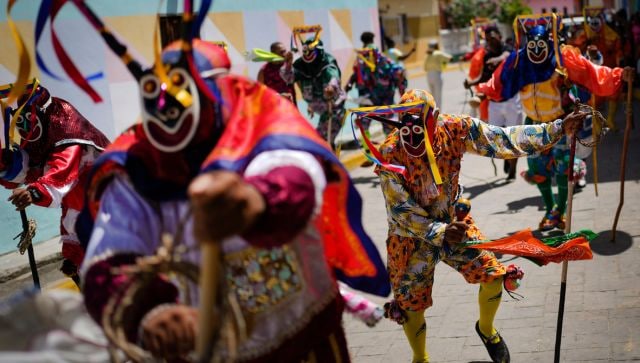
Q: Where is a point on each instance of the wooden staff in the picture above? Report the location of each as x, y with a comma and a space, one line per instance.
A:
565, 264
625, 147
210, 295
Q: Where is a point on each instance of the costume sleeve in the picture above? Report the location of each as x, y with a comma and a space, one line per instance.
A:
61, 173
510, 142
493, 87
406, 217
600, 80
475, 66
292, 183
125, 228
331, 77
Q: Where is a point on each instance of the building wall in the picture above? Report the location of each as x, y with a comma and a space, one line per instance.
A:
243, 25
410, 23
539, 5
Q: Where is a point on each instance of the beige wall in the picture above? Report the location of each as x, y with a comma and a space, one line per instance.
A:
422, 23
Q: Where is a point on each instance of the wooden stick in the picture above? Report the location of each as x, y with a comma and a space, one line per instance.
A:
623, 166
210, 270
565, 264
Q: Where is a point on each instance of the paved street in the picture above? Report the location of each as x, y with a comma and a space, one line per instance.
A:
602, 312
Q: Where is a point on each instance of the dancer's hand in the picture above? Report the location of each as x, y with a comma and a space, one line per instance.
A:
466, 84
21, 198
329, 92
288, 57
628, 74
223, 205
169, 331
455, 232
573, 122
592, 51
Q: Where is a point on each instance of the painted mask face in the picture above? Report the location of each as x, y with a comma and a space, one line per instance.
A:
168, 124
309, 54
412, 135
29, 123
537, 45
29, 126
595, 23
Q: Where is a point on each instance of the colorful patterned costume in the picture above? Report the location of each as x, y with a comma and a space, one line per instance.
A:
314, 72
286, 289
534, 71
418, 210
419, 165
58, 147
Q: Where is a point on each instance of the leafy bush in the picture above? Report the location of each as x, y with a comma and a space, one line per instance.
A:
459, 13
509, 9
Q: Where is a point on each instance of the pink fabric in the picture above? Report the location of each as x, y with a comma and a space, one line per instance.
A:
290, 197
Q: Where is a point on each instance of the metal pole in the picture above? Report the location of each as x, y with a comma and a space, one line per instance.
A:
31, 255
565, 264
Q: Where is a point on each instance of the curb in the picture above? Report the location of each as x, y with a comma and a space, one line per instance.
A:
11, 274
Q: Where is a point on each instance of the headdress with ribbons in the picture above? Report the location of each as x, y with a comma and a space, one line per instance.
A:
172, 89
11, 92
297, 33
522, 24
383, 114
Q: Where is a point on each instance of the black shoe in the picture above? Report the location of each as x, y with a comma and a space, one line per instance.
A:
498, 352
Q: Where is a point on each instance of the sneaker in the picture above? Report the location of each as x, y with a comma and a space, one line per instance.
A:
562, 222
550, 220
498, 351
582, 182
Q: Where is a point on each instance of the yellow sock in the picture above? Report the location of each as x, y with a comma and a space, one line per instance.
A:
416, 331
489, 299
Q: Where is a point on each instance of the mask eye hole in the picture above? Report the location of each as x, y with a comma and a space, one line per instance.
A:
21, 120
173, 113
149, 86
531, 44
405, 131
541, 43
417, 129
178, 78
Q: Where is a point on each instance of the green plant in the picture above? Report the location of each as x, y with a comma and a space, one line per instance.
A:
509, 9
460, 12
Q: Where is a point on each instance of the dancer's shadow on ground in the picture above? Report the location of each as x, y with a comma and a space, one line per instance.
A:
476, 190
519, 204
374, 180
